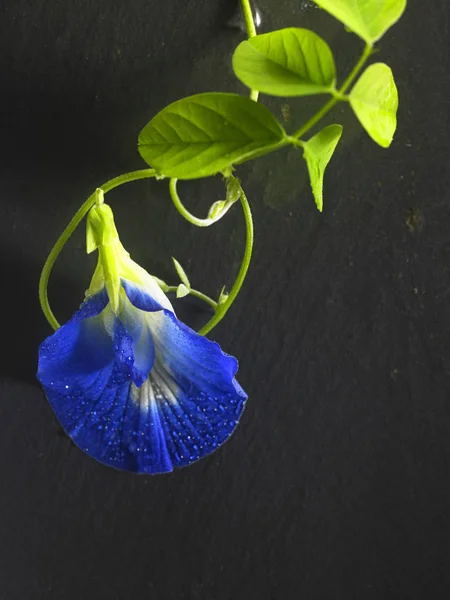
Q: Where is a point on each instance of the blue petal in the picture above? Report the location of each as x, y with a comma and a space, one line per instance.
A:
192, 386
189, 404
151, 429
133, 342
139, 298
79, 350
195, 422
111, 427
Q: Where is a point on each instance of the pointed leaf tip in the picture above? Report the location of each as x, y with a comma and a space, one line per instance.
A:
223, 297
369, 19
181, 273
182, 291
317, 153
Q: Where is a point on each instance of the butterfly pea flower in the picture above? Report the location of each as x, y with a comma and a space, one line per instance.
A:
131, 385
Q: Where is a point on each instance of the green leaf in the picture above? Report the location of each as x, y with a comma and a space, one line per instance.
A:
182, 291
288, 62
370, 19
317, 153
181, 273
374, 100
203, 134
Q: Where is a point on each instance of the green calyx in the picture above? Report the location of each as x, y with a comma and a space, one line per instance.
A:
101, 235
100, 227
95, 198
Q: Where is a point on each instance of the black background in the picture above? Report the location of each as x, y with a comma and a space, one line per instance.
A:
336, 483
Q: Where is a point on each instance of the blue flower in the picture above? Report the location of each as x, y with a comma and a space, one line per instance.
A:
131, 385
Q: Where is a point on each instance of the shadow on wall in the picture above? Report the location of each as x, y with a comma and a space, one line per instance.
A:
23, 325
69, 121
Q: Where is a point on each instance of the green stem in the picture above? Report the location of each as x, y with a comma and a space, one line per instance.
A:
223, 308
197, 294
248, 18
189, 216
356, 69
251, 32
337, 95
315, 118
220, 310
68, 231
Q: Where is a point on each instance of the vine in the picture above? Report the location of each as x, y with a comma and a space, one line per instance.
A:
210, 133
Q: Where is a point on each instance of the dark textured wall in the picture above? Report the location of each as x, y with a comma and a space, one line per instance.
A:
336, 483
